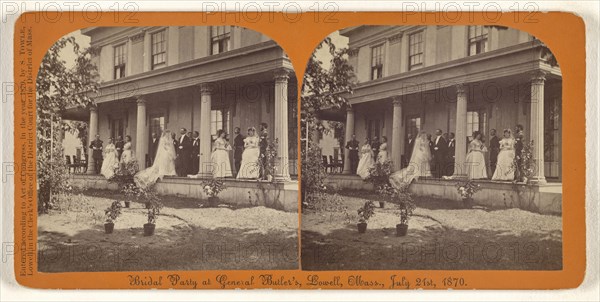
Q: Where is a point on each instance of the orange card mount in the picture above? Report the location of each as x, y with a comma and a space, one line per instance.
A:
167, 151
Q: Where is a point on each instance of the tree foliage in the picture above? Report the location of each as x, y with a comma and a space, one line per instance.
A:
59, 87
322, 88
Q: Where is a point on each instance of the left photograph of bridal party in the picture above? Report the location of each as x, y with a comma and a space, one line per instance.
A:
166, 148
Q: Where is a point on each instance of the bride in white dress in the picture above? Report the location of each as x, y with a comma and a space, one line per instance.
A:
250, 168
111, 161
417, 167
366, 160
220, 156
504, 168
164, 163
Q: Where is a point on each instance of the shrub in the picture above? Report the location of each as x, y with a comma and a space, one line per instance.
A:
313, 176
406, 206
212, 187
366, 212
467, 189
113, 212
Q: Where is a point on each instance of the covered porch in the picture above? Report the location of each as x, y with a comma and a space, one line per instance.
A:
239, 88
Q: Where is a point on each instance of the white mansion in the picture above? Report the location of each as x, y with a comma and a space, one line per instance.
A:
458, 79
202, 78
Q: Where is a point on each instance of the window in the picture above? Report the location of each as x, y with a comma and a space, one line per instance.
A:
218, 120
376, 62
159, 49
338, 133
116, 128
478, 39
415, 50
472, 123
219, 38
413, 125
120, 61
157, 125
373, 130
476, 121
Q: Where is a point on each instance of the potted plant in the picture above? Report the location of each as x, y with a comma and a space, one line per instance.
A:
111, 213
153, 213
406, 207
466, 191
212, 188
379, 176
364, 214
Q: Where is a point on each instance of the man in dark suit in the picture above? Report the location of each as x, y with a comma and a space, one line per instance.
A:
440, 148
263, 143
494, 150
195, 156
96, 147
238, 148
451, 156
184, 152
119, 144
352, 146
409, 144
153, 148
375, 144
519, 136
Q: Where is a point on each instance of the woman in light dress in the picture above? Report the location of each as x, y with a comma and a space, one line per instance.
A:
418, 165
164, 163
111, 160
127, 155
382, 156
504, 168
250, 168
366, 161
220, 156
475, 161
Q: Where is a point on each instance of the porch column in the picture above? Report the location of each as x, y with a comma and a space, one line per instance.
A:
92, 131
281, 125
461, 132
537, 125
205, 168
397, 134
349, 131
141, 134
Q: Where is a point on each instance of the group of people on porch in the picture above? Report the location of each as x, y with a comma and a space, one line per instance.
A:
170, 155
427, 156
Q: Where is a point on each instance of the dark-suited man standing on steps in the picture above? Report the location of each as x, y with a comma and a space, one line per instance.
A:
440, 148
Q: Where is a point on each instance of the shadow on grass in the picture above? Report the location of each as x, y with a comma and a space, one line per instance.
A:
436, 249
184, 248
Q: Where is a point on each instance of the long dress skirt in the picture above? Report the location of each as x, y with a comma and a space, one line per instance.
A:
249, 168
475, 165
221, 165
110, 163
365, 163
504, 168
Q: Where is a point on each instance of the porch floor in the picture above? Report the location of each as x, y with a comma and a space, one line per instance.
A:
545, 198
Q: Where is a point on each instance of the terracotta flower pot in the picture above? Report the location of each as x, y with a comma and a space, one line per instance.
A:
362, 227
149, 229
127, 203
148, 205
213, 201
382, 204
109, 227
401, 230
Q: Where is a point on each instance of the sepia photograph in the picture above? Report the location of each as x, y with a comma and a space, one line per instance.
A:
167, 148
431, 148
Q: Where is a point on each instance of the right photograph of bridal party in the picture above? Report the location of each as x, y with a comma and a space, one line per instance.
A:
431, 147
